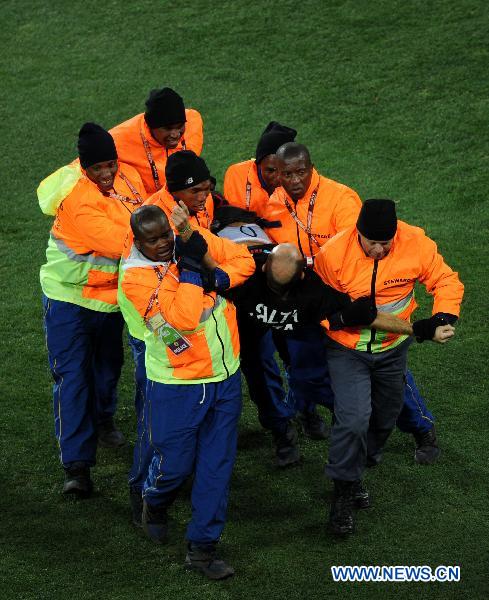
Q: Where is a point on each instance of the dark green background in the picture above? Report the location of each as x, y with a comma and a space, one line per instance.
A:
392, 99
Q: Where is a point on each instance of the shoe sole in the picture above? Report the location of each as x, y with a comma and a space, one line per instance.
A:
341, 532
82, 494
428, 461
102, 444
288, 464
154, 539
362, 504
209, 574
145, 527
315, 435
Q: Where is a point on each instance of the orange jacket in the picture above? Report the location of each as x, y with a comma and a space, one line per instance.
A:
335, 208
207, 321
131, 150
343, 264
87, 239
242, 187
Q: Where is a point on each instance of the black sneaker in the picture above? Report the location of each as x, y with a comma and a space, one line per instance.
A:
205, 560
155, 522
427, 451
313, 425
136, 502
77, 480
341, 520
361, 497
286, 449
109, 436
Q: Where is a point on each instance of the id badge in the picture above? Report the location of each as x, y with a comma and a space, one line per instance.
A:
172, 338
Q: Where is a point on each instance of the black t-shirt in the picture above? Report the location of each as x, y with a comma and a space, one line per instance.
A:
308, 302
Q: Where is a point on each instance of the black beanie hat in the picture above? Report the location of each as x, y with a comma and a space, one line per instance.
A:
95, 145
272, 138
185, 169
378, 220
164, 107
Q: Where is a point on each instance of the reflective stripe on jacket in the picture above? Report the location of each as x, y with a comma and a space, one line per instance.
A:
86, 242
413, 256
206, 321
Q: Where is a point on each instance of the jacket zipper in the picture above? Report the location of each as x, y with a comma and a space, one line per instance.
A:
372, 296
219, 338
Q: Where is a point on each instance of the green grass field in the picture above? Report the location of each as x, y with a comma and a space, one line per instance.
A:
392, 99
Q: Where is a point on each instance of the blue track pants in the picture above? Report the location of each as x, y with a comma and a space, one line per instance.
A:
85, 356
193, 429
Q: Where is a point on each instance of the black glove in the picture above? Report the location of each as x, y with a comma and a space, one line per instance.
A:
424, 329
195, 247
190, 264
360, 312
450, 319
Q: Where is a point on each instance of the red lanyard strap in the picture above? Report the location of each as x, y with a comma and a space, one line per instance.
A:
248, 194
152, 164
137, 198
310, 210
154, 296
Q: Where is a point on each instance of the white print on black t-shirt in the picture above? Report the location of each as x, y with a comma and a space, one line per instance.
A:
276, 318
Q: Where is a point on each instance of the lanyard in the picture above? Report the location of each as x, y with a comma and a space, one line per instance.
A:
206, 214
248, 194
306, 228
152, 164
137, 198
154, 296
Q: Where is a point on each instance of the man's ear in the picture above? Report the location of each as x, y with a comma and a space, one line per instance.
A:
303, 274
263, 267
137, 243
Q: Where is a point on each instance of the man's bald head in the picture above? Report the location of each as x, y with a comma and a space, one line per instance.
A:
293, 150
144, 216
284, 266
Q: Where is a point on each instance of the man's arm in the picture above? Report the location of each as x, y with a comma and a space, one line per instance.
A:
393, 324
440, 280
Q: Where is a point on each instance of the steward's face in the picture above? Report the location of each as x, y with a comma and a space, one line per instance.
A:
375, 249
156, 241
269, 172
169, 135
295, 176
103, 174
194, 197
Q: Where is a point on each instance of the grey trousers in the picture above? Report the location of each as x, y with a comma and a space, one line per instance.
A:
369, 393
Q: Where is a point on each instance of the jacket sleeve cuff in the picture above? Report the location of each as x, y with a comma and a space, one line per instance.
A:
222, 279
191, 277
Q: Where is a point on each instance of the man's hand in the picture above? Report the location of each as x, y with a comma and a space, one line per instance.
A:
426, 329
443, 333
180, 220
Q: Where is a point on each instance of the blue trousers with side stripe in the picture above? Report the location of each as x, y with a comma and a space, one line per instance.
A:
193, 428
85, 356
143, 453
